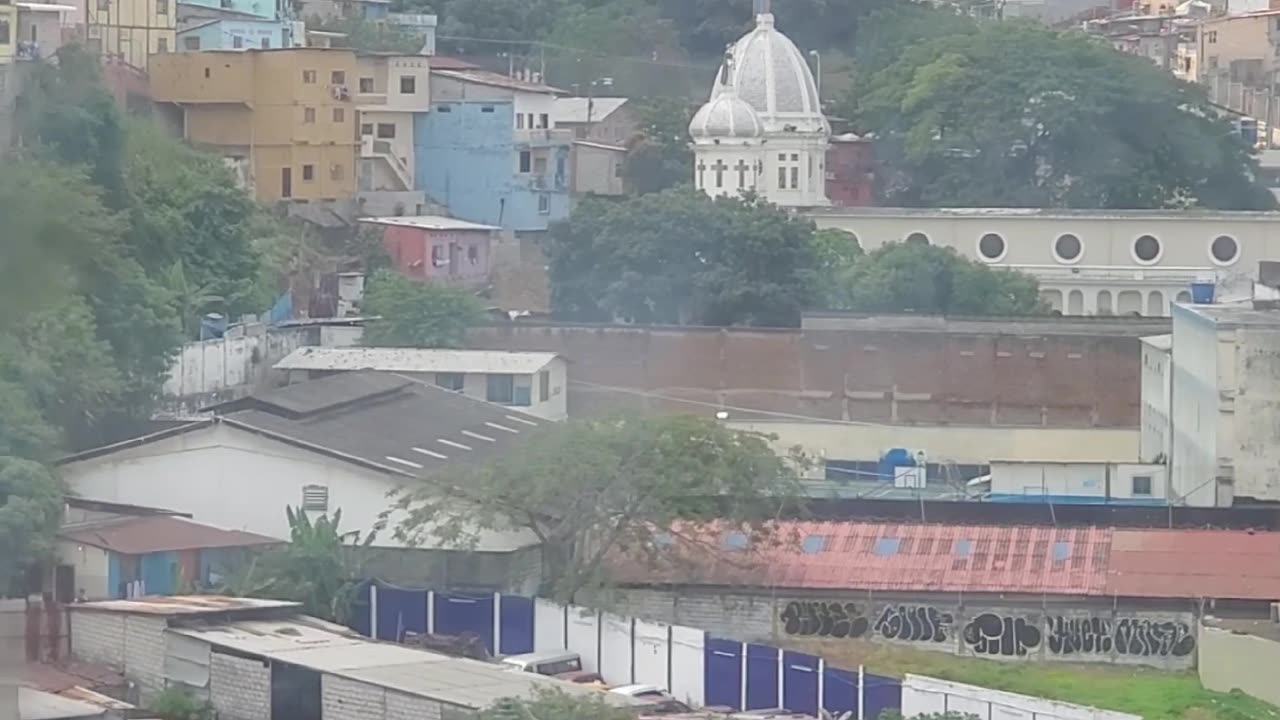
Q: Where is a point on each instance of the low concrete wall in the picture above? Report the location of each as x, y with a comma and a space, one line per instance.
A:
991, 627
1236, 661
925, 695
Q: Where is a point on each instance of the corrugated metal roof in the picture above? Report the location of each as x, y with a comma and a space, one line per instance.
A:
385, 359
485, 77
429, 222
172, 605
574, 109
38, 705
158, 533
1236, 564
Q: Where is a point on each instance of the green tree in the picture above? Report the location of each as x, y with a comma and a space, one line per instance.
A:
932, 280
837, 252
318, 567
1018, 115
177, 703
556, 704
679, 257
586, 489
370, 36
30, 512
416, 314
659, 157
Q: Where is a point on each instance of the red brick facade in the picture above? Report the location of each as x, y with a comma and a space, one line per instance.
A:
882, 375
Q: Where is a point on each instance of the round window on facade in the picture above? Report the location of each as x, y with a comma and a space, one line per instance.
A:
1068, 248
1146, 249
991, 247
918, 238
1224, 250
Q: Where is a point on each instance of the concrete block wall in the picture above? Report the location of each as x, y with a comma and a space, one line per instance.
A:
346, 699
1062, 630
239, 688
132, 645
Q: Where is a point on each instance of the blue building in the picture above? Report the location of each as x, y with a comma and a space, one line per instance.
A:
223, 34
267, 9
470, 158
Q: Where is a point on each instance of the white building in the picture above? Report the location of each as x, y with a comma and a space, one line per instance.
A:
1078, 482
1088, 262
1224, 417
392, 89
1153, 438
762, 130
535, 382
340, 443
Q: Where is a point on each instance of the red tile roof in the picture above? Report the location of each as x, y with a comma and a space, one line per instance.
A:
1090, 561
159, 533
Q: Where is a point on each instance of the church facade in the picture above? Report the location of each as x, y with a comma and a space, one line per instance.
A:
762, 130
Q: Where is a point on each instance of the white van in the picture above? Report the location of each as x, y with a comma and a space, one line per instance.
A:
546, 663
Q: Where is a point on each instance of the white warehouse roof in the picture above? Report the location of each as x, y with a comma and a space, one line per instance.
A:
416, 360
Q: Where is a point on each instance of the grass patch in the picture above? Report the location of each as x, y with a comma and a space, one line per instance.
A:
1149, 693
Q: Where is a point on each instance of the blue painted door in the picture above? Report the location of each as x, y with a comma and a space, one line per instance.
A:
723, 673
762, 678
800, 683
458, 614
158, 571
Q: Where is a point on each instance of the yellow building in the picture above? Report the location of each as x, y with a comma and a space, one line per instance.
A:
132, 30
8, 31
286, 117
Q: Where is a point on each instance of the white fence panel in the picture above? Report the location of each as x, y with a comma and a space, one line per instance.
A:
615, 649
688, 664
548, 625
924, 695
583, 634
652, 654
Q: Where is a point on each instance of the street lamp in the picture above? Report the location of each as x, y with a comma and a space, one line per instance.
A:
817, 60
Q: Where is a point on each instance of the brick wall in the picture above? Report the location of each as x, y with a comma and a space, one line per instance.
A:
1036, 374
345, 699
993, 627
239, 688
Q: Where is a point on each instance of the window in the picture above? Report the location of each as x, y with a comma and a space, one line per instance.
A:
963, 548
1146, 249
308, 115
991, 246
544, 121
813, 544
500, 389
162, 7
1142, 485
450, 381
473, 254
437, 256
206, 70
309, 77
1068, 248
337, 77
366, 85
191, 42
308, 173
339, 115
445, 109
526, 161
265, 44
1224, 250
162, 45
519, 121
315, 498
237, 42
522, 392
918, 238
366, 129
544, 385
886, 546
795, 177
529, 119
408, 85
486, 108
544, 204
539, 166
1212, 36
386, 131
782, 178
1061, 551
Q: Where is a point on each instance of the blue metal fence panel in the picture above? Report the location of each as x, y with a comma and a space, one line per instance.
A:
723, 673
839, 690
458, 614
517, 625
800, 683
762, 677
359, 619
882, 693
401, 611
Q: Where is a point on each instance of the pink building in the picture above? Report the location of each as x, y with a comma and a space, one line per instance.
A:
432, 248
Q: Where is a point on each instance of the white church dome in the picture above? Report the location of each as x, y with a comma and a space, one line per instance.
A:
771, 74
726, 116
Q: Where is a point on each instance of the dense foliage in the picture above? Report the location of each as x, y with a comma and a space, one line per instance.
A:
556, 704
585, 489
417, 314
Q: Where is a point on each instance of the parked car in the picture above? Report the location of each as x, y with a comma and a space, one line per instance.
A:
551, 664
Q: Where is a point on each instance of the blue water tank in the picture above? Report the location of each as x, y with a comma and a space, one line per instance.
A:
1202, 293
213, 325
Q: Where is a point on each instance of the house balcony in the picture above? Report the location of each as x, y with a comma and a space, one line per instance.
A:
370, 98
543, 137
381, 151
547, 183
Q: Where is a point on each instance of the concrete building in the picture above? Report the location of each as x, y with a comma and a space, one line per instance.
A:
39, 30
392, 90
762, 130
129, 31
532, 381
1236, 45
1225, 394
285, 117
997, 592
439, 250
1088, 262
597, 169
345, 442
488, 152
1101, 483
851, 171
1154, 438
605, 120
225, 34
8, 32
253, 659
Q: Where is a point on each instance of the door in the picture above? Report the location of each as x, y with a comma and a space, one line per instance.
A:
64, 584
295, 693
286, 182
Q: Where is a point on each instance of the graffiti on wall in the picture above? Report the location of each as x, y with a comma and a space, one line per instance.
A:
817, 618
913, 623
1122, 636
992, 634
